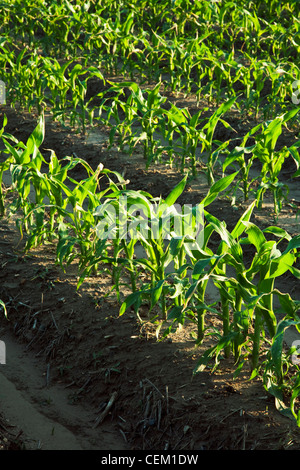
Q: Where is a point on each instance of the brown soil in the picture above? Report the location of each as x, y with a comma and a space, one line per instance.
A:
69, 352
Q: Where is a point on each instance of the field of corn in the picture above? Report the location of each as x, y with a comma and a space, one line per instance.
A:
121, 117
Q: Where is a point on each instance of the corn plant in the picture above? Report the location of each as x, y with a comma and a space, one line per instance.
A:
190, 136
279, 90
139, 111
79, 89
4, 166
193, 132
272, 160
280, 370
153, 236
207, 137
26, 173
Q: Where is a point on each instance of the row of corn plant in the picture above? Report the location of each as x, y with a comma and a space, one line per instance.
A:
34, 81
186, 62
248, 327
246, 305
103, 227
71, 26
144, 116
53, 204
45, 80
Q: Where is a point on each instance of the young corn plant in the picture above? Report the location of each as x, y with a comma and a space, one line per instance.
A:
190, 137
157, 228
280, 370
203, 265
192, 134
78, 81
26, 162
238, 156
207, 133
268, 264
79, 227
58, 86
143, 113
4, 166
173, 127
272, 160
149, 115
235, 326
109, 243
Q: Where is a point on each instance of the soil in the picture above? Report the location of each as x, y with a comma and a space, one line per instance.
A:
69, 353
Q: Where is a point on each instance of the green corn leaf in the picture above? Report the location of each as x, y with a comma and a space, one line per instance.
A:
275, 391
216, 116
295, 394
70, 7
214, 352
176, 245
152, 95
156, 293
176, 192
276, 366
277, 342
128, 23
65, 247
233, 246
39, 132
289, 306
179, 289
177, 115
269, 318
290, 114
175, 312
3, 124
13, 151
294, 271
255, 235
193, 287
217, 188
278, 232
145, 263
239, 228
200, 267
132, 299
281, 265
293, 244
272, 133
